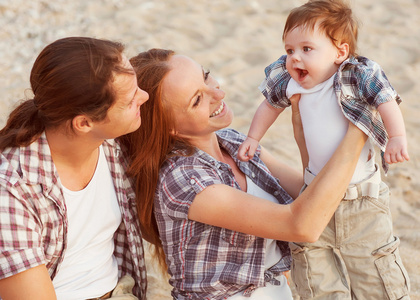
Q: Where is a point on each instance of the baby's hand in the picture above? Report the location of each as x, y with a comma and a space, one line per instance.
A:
396, 150
247, 149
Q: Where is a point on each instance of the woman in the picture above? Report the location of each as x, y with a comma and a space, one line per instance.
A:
68, 229
217, 220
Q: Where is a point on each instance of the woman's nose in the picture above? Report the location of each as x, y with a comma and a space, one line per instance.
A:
218, 94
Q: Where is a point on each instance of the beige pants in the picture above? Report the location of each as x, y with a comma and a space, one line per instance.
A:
124, 289
356, 257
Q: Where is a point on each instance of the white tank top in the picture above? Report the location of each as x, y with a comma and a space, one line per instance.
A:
89, 268
272, 256
325, 125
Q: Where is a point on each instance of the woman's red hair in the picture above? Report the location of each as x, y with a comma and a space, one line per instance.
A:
150, 145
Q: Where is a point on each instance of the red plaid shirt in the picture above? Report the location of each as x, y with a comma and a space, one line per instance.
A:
33, 217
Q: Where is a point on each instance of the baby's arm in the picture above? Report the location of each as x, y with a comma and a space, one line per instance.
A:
264, 117
396, 149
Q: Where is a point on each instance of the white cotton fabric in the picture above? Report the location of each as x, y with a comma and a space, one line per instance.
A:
325, 126
272, 256
89, 268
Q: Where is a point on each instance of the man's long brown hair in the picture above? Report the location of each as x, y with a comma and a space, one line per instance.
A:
70, 77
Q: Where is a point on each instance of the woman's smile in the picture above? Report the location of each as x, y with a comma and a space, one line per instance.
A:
218, 111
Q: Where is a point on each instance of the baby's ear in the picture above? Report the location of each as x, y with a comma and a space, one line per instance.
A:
342, 53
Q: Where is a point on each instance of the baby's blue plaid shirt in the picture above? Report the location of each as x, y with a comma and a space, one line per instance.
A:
360, 85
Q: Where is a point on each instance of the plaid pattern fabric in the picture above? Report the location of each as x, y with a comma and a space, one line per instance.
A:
33, 223
361, 86
208, 262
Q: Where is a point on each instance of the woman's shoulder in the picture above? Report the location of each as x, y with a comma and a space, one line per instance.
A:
178, 162
231, 140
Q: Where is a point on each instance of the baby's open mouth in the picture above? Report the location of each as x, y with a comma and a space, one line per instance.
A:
302, 73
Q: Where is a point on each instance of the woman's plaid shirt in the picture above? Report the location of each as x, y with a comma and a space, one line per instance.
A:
208, 262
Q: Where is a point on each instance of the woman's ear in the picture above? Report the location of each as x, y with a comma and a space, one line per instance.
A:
173, 132
342, 53
81, 123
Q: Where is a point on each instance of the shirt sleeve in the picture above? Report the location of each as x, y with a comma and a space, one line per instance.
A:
181, 184
20, 236
373, 85
274, 85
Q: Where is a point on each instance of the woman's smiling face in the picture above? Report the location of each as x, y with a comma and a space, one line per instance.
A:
195, 98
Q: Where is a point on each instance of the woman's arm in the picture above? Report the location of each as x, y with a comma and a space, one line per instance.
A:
298, 130
303, 220
34, 284
290, 179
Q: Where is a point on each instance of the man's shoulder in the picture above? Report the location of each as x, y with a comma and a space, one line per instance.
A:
10, 168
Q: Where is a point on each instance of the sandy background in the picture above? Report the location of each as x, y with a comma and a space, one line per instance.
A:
235, 39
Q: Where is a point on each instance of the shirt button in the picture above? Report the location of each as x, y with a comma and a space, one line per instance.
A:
192, 181
253, 175
276, 193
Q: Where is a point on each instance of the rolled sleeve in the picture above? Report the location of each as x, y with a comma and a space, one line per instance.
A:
274, 85
182, 184
20, 237
16, 261
373, 85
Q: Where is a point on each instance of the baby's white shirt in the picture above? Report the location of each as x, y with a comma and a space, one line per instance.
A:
325, 125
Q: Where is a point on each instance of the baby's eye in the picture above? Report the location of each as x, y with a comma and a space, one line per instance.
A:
307, 49
290, 51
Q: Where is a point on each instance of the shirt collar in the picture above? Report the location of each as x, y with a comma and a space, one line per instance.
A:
37, 164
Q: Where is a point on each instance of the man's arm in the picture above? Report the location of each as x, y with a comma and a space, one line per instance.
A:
33, 284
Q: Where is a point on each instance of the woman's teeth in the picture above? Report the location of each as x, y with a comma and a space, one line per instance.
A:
217, 111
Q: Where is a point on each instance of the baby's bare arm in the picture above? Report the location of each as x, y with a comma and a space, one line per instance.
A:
264, 117
396, 149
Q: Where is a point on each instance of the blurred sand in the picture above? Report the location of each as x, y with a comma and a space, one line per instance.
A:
236, 40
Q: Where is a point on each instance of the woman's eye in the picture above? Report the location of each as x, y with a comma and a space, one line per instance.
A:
206, 75
197, 101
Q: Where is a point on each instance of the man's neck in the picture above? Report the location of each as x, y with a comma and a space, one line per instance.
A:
75, 157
